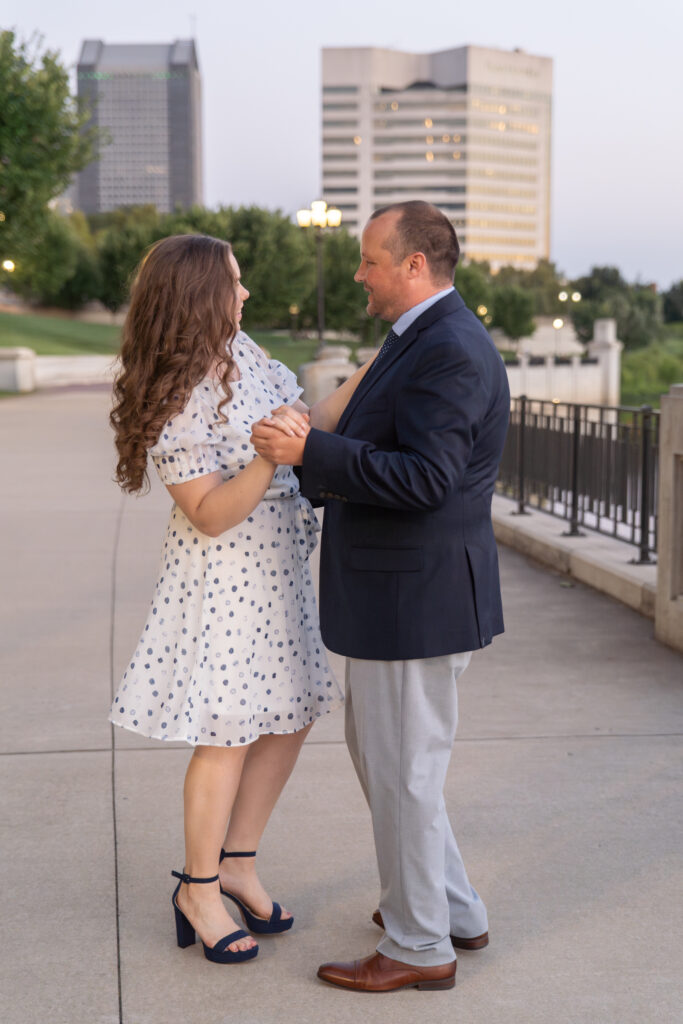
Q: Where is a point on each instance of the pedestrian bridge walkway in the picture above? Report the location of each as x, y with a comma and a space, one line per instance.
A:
564, 786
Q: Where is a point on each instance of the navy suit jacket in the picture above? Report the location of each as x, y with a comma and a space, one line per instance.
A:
409, 566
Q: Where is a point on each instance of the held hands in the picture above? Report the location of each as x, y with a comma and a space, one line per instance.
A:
280, 437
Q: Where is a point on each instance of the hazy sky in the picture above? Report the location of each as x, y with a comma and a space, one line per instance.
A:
617, 147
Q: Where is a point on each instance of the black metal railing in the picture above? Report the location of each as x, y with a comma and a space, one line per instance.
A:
592, 465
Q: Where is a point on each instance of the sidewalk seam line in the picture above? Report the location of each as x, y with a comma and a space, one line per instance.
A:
342, 743
112, 620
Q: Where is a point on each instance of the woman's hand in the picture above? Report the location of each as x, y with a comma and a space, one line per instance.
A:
289, 420
277, 441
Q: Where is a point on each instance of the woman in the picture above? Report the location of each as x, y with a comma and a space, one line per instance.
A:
230, 659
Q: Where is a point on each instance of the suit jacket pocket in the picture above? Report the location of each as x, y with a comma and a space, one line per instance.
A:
386, 559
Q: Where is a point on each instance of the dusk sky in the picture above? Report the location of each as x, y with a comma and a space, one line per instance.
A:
617, 141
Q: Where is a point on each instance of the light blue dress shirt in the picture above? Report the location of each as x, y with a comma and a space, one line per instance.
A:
407, 318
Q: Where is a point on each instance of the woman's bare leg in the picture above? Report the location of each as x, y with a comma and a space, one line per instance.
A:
211, 784
267, 767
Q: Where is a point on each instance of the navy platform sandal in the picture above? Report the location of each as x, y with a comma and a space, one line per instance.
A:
219, 954
272, 925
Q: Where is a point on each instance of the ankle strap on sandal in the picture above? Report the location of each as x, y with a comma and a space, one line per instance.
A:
236, 853
188, 878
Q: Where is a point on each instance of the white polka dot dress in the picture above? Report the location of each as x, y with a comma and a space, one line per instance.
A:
231, 649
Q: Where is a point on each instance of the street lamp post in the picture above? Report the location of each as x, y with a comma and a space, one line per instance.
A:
320, 217
565, 297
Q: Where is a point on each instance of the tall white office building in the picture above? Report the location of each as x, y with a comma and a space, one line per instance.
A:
467, 129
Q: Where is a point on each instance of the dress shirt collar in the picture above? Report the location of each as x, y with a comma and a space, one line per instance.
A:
410, 315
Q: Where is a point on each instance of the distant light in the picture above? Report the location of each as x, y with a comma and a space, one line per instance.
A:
456, 155
294, 309
428, 122
576, 296
558, 322
318, 215
488, 318
482, 310
563, 296
429, 140
357, 139
9, 266
445, 138
555, 401
429, 156
2, 216
394, 105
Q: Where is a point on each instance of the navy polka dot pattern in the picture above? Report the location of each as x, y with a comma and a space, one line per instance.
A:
231, 649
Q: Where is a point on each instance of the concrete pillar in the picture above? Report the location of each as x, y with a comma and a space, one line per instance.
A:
669, 601
323, 376
17, 369
523, 373
606, 348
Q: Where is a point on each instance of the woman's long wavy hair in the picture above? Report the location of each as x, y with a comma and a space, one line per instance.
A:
180, 325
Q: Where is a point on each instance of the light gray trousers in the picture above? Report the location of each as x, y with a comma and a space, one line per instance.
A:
401, 718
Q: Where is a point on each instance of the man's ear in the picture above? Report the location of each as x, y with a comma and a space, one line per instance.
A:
417, 263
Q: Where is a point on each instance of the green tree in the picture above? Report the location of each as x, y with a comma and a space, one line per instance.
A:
120, 247
513, 311
345, 300
648, 373
473, 281
43, 140
275, 262
60, 268
673, 303
544, 283
605, 293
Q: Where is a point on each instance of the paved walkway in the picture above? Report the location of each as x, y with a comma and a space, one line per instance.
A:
565, 787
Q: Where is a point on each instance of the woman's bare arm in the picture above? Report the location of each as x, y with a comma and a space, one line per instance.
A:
214, 505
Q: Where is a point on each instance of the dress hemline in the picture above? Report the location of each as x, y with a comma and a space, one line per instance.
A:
333, 706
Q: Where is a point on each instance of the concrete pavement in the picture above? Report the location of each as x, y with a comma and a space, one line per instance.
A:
564, 786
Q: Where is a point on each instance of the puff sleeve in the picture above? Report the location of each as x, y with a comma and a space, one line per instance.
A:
281, 378
284, 381
187, 444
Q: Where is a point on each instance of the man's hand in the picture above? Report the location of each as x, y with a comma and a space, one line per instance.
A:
281, 438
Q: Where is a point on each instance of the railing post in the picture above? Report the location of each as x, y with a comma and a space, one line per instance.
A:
521, 466
574, 530
645, 429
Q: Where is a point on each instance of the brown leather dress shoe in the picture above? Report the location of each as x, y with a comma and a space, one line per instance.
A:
478, 942
379, 973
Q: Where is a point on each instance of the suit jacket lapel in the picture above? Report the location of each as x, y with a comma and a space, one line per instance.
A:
449, 304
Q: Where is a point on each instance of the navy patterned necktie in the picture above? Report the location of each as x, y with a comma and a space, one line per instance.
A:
391, 337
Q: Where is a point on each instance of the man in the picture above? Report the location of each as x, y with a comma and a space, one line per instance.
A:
409, 582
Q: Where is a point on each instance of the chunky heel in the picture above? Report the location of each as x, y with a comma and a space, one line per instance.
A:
186, 934
273, 925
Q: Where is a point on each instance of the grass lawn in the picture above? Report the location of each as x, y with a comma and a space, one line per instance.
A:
62, 336
57, 336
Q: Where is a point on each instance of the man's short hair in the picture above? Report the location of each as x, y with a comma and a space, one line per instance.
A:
422, 227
